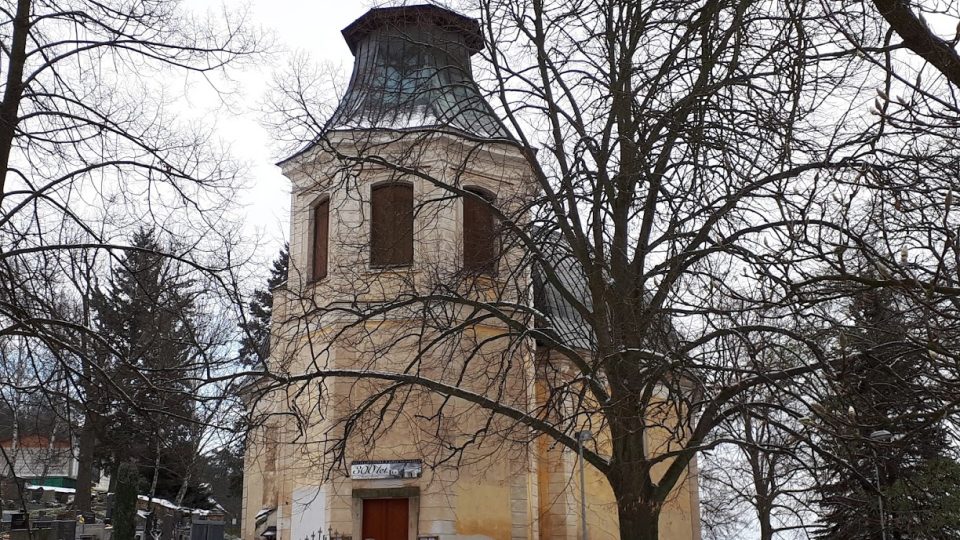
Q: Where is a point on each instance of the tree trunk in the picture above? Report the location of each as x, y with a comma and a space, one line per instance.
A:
149, 526
88, 439
637, 505
10, 107
191, 464
114, 471
638, 520
766, 524
182, 492
91, 417
156, 471
50, 454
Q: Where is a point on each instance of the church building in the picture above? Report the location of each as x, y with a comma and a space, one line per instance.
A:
398, 204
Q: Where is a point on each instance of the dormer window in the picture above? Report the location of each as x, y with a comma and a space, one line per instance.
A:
479, 233
391, 225
321, 227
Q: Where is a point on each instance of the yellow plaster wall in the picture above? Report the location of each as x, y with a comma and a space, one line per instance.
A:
484, 511
503, 487
560, 508
559, 480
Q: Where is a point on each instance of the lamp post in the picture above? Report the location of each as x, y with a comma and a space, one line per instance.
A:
582, 437
881, 435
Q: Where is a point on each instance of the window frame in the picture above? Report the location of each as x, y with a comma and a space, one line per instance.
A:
314, 207
374, 187
488, 268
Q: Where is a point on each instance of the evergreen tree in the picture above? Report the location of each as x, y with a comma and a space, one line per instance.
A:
896, 451
223, 472
125, 502
146, 315
255, 343
225, 466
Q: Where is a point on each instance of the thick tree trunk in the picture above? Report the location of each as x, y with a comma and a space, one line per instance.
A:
638, 507
88, 439
10, 107
638, 520
766, 524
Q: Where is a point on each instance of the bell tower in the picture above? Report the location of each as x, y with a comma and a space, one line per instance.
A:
412, 72
401, 325
398, 201
411, 127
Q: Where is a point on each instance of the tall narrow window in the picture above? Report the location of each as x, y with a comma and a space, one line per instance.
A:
479, 233
321, 228
391, 225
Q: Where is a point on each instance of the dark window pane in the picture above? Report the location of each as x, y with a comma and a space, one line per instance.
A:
479, 234
391, 225
321, 224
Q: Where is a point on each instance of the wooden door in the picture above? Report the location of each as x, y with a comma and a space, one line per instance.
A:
385, 519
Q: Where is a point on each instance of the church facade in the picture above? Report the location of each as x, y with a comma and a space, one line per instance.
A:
400, 199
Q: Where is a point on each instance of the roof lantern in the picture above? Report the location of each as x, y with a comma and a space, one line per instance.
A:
412, 72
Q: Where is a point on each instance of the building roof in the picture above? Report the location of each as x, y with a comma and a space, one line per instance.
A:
36, 440
34, 421
412, 73
432, 14
561, 319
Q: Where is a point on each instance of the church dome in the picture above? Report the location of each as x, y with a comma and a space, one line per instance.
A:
412, 72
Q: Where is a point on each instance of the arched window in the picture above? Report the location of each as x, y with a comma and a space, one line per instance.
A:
391, 225
479, 233
321, 227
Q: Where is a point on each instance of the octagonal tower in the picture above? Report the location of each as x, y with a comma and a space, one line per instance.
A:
392, 204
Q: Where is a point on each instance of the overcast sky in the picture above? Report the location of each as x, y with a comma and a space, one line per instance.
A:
297, 26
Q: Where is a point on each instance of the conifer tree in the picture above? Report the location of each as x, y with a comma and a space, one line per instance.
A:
125, 502
146, 314
225, 466
886, 432
255, 343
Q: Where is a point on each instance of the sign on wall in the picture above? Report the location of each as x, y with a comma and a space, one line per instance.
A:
386, 470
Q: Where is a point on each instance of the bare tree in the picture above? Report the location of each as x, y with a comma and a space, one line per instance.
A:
699, 178
907, 20
91, 147
760, 477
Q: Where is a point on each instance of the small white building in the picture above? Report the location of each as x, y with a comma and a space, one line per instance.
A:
41, 460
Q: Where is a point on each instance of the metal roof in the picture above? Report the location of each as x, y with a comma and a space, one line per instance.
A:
562, 320
431, 14
412, 72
